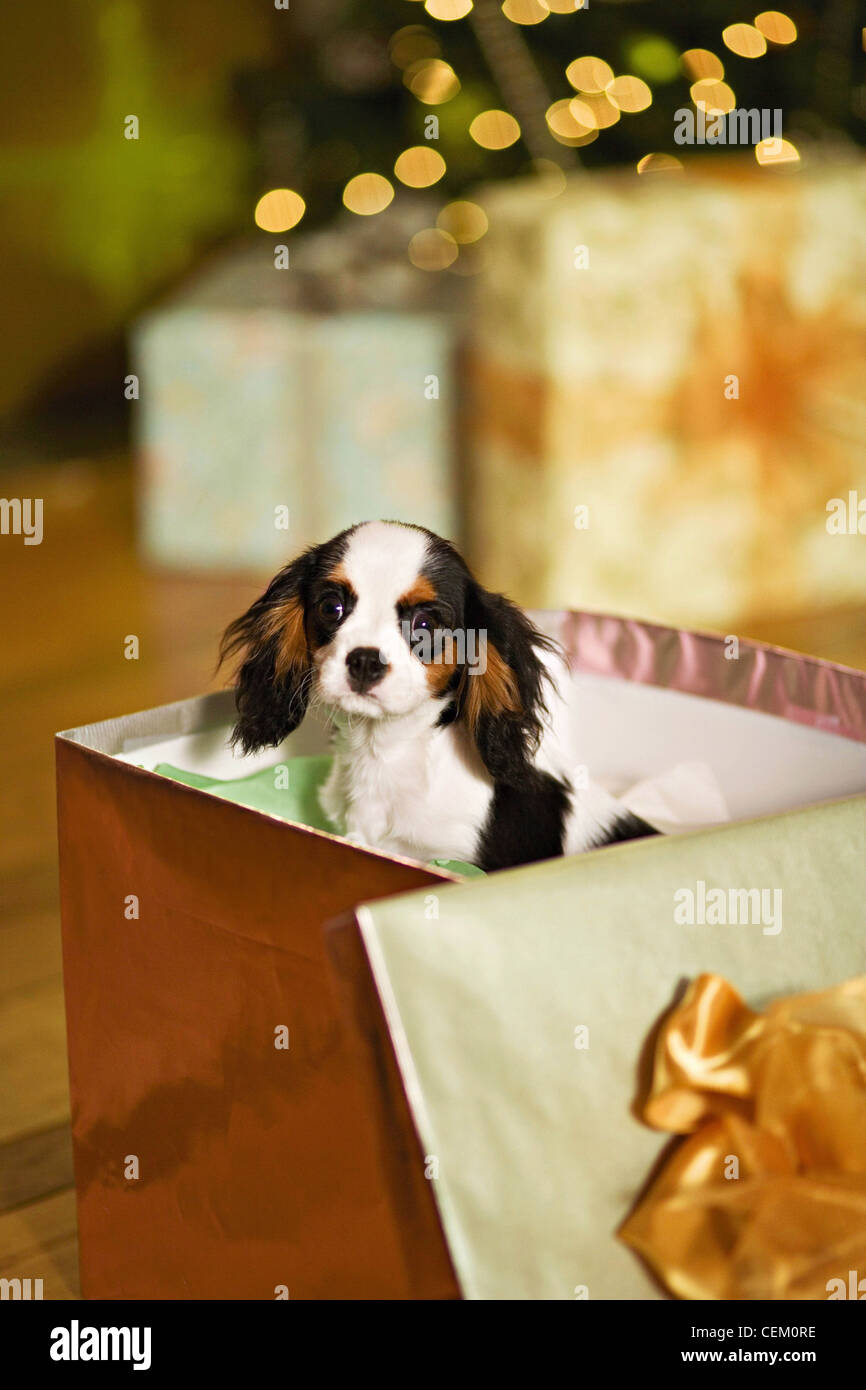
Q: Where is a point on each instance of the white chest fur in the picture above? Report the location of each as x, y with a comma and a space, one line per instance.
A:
404, 786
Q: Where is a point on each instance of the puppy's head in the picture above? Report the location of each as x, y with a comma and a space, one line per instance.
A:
379, 622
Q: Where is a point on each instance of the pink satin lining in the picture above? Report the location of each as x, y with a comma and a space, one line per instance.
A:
799, 688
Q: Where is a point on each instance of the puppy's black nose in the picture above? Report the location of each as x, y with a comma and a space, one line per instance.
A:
366, 667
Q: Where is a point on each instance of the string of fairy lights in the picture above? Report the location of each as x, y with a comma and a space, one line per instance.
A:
599, 98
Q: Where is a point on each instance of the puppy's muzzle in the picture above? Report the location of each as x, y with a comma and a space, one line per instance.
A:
366, 668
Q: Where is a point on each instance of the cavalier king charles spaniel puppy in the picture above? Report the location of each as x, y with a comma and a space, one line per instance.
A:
447, 703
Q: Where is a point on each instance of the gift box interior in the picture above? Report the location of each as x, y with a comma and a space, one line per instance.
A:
628, 733
193, 933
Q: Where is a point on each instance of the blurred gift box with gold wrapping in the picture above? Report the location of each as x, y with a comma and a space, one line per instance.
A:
666, 391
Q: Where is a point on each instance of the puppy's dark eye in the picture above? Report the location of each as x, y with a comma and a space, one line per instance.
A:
422, 620
331, 608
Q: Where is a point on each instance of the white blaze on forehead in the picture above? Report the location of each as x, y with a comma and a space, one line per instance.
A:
382, 562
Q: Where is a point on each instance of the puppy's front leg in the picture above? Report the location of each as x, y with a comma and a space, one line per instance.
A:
333, 797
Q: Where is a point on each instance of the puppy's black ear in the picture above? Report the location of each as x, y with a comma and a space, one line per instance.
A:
275, 673
502, 704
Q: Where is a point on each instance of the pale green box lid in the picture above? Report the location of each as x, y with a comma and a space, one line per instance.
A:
538, 1151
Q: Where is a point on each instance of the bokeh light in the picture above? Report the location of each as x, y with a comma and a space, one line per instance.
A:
279, 210
700, 63
713, 97
419, 166
526, 11
367, 194
432, 249
566, 128
565, 6
744, 40
432, 81
448, 9
550, 178
589, 74
775, 26
776, 151
629, 93
494, 130
654, 57
465, 221
594, 111
411, 44
659, 164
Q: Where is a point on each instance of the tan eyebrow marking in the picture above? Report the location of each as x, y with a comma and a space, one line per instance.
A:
339, 576
422, 591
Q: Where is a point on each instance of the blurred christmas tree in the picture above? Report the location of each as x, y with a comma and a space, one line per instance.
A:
445, 93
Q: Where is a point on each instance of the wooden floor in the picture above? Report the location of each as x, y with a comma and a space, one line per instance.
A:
67, 607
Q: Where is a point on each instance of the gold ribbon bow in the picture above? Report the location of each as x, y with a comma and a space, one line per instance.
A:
766, 1198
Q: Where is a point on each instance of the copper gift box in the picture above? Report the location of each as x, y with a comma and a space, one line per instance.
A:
209, 1162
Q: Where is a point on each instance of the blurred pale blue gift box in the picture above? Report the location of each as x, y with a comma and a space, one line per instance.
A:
268, 419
